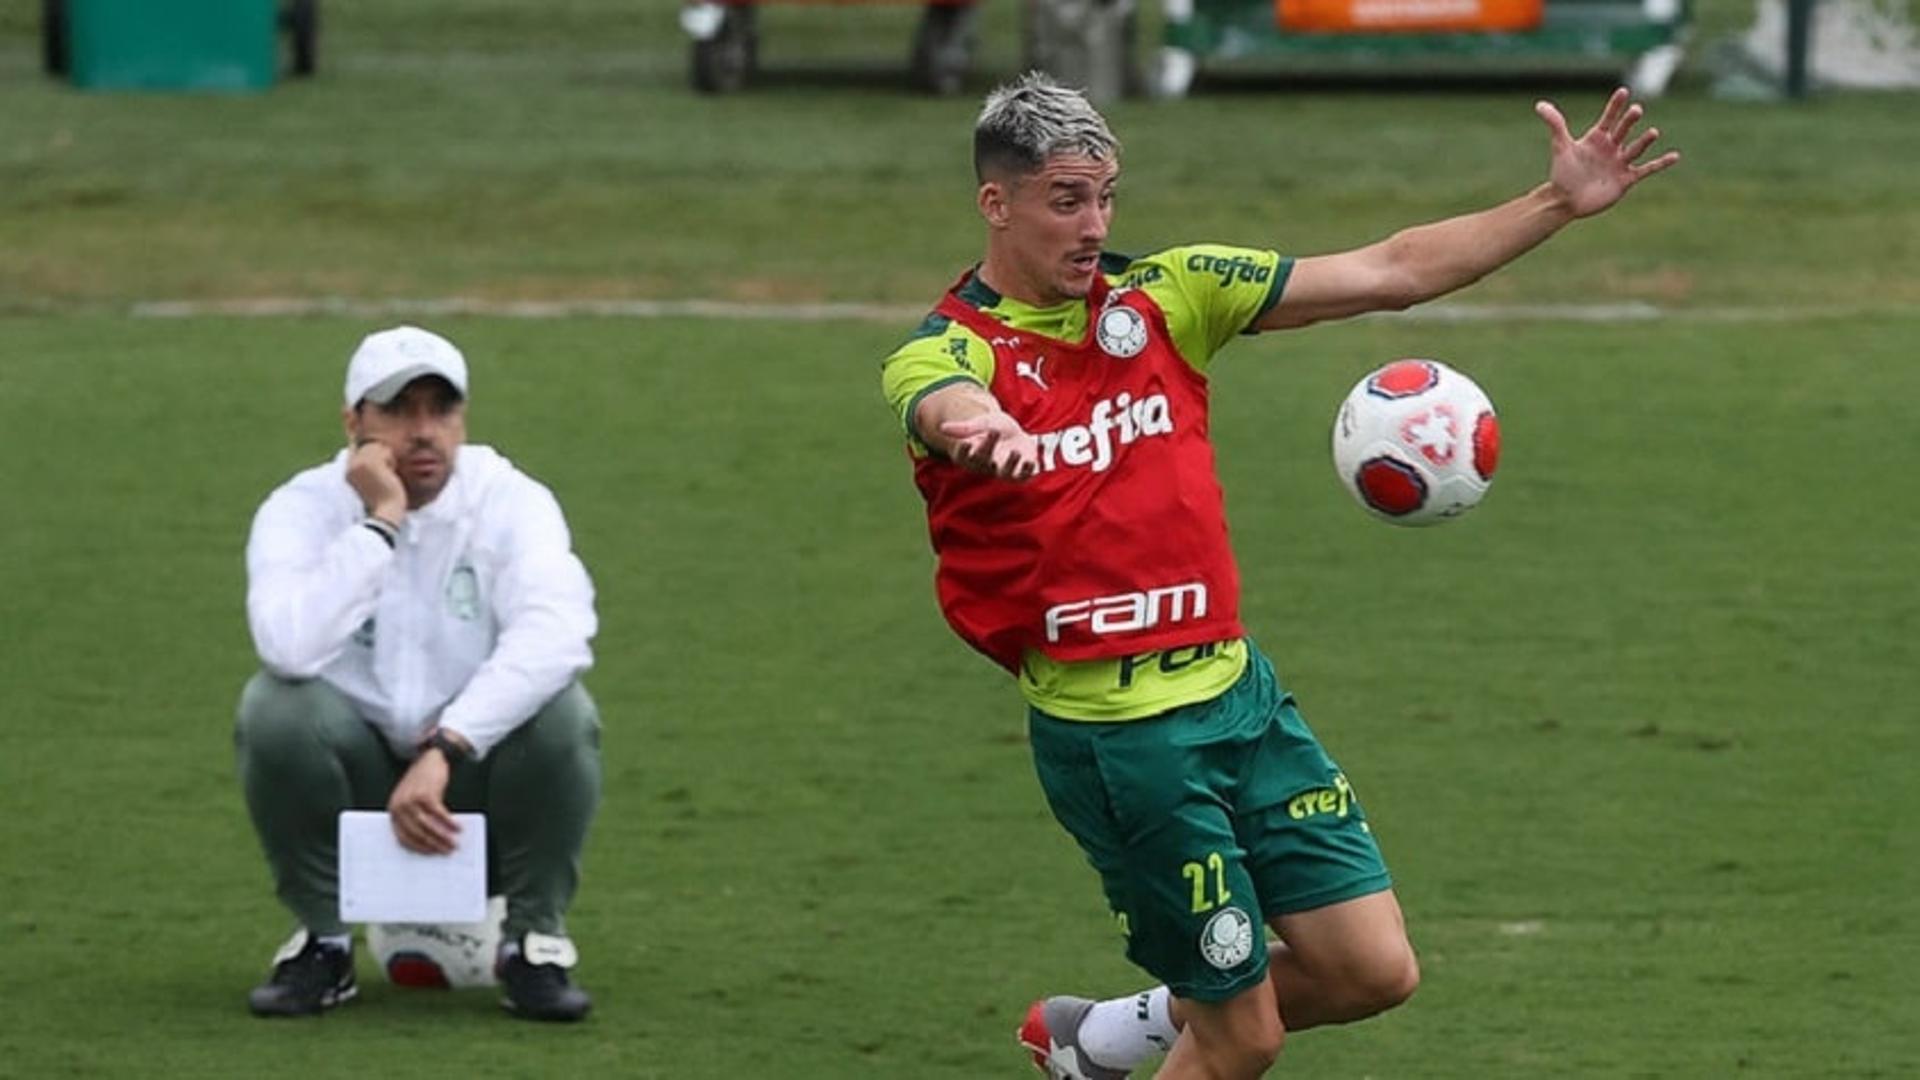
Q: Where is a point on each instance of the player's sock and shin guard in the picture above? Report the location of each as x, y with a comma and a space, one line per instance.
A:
1126, 1031
1075, 1039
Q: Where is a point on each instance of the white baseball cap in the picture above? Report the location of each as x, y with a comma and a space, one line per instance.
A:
387, 361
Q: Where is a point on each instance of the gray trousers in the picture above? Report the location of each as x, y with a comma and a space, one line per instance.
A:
305, 755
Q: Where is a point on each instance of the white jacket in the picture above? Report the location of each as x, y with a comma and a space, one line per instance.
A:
477, 617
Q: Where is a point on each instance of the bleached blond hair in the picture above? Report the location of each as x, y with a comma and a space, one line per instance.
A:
1031, 119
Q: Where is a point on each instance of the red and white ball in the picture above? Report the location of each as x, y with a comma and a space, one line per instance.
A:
1416, 443
439, 955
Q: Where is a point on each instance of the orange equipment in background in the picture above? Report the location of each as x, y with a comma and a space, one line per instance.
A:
1389, 16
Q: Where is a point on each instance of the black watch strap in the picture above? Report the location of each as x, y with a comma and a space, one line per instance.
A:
447, 745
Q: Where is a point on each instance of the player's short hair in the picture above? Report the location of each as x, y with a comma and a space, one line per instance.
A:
1031, 119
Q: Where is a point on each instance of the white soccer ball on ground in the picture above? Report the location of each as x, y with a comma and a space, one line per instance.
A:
1416, 443
439, 955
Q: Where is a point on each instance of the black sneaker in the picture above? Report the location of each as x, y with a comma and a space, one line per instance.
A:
534, 978
308, 978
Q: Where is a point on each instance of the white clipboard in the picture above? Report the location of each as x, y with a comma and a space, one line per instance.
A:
380, 881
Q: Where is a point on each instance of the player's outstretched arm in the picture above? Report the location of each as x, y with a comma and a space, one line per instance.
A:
1585, 175
964, 423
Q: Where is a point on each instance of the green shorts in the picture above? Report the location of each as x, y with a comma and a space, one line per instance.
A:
1204, 822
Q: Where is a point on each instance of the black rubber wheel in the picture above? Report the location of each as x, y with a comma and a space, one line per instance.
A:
724, 62
301, 20
54, 49
943, 48
1135, 80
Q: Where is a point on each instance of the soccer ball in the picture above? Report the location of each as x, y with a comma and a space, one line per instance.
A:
441, 955
1416, 443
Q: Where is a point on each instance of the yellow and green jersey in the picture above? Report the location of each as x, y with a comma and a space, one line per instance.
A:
1208, 293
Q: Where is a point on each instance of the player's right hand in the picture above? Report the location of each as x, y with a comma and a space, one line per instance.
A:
993, 443
375, 477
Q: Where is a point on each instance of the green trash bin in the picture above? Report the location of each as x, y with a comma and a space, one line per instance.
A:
172, 45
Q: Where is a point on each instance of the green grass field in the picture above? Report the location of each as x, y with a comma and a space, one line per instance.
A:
1638, 736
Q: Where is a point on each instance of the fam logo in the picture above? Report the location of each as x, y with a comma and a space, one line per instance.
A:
1227, 940
1124, 613
1121, 331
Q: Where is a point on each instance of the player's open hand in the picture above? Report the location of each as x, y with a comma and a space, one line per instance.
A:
1595, 170
417, 807
993, 443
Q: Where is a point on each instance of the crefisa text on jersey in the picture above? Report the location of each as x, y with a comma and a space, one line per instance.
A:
1090, 445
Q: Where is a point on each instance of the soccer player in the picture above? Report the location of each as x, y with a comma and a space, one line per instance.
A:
422, 624
1055, 406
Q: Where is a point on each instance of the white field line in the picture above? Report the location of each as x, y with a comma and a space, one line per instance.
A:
1629, 311
528, 309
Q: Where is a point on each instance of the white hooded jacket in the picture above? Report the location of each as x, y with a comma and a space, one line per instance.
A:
474, 619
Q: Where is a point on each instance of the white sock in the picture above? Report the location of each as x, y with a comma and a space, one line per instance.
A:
1122, 1032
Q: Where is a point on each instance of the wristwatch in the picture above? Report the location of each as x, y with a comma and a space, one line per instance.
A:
454, 749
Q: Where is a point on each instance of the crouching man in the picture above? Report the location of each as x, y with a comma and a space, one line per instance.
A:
422, 623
